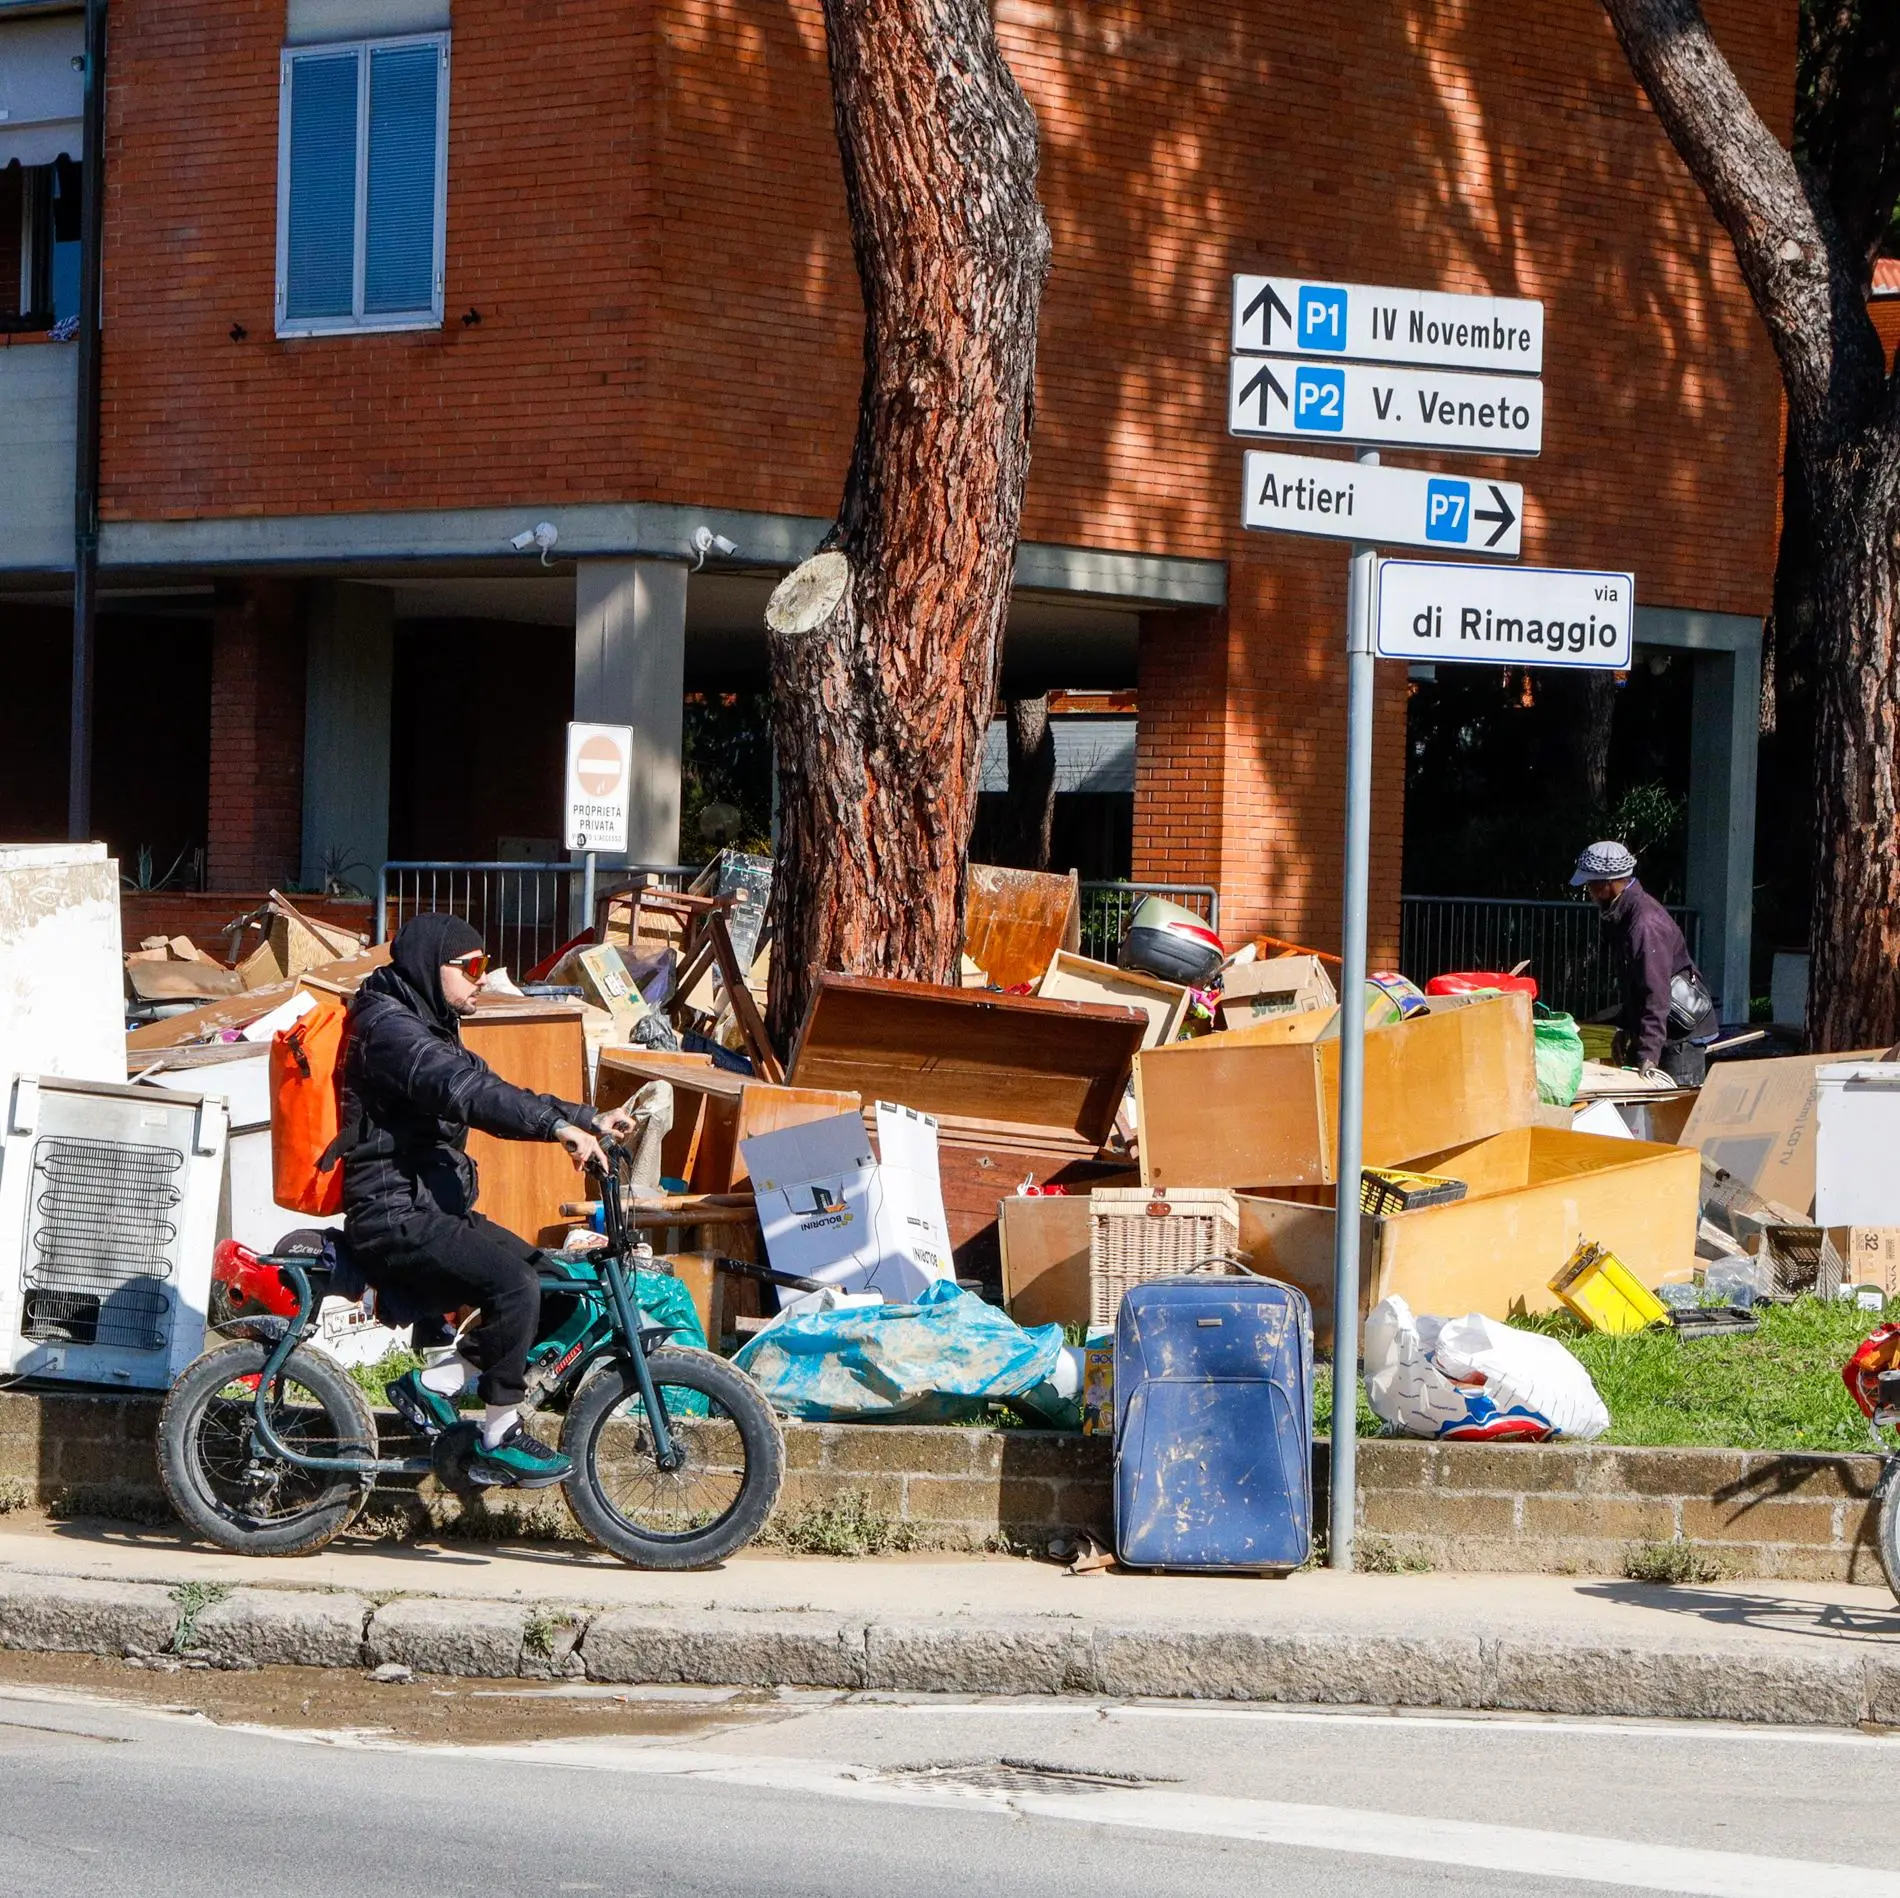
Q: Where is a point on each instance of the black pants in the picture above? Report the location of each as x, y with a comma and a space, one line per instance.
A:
446, 1261
1685, 1062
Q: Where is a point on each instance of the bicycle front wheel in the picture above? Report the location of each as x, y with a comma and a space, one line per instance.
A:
718, 1498
1887, 1523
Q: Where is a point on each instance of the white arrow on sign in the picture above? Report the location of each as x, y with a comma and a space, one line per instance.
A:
1391, 507
1388, 408
1290, 316
1504, 616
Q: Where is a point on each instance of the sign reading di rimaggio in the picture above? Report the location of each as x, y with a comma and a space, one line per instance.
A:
1504, 616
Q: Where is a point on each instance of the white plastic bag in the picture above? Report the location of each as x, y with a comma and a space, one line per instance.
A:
1472, 1377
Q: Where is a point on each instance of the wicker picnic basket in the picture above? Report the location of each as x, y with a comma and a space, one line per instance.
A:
1137, 1233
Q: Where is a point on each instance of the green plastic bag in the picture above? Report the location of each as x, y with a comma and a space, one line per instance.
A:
1559, 1053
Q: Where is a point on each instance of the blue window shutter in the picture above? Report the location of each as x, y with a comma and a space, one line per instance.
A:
320, 250
399, 234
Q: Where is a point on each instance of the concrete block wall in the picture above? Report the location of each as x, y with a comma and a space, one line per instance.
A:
1571, 1509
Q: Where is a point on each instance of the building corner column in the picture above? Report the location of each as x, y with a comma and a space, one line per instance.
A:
630, 669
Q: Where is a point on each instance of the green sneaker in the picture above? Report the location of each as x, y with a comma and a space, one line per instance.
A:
518, 1461
420, 1407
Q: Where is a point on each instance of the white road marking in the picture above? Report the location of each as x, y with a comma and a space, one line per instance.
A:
1520, 1850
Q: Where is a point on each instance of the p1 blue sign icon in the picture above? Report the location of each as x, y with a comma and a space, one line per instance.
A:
1322, 318
1448, 511
1319, 401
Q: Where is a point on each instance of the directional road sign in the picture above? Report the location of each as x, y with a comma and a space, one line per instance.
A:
1391, 507
1384, 408
1288, 316
1504, 616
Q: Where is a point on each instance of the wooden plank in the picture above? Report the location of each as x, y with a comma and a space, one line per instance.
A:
1014, 922
1045, 1259
542, 1048
1051, 1065
1259, 1106
1496, 1252
1080, 979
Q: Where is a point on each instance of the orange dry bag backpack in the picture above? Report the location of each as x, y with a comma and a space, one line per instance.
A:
306, 1086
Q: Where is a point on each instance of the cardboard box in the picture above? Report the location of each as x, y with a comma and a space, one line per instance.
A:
1755, 1119
1072, 978
1278, 985
607, 983
1860, 1255
1259, 1106
832, 1210
1532, 1193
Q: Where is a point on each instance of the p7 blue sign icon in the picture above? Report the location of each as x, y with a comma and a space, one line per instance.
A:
1448, 511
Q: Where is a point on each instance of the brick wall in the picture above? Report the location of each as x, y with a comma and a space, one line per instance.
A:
644, 206
257, 706
1568, 1509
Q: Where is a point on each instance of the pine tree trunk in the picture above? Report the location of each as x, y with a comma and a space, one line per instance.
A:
885, 645
1807, 272
1032, 784
1854, 936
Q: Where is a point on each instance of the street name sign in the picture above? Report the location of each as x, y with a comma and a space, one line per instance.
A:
1504, 616
1289, 316
1392, 507
1385, 408
599, 780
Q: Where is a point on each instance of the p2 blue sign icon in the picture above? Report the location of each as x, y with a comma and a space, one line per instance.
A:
1319, 401
1448, 511
1322, 318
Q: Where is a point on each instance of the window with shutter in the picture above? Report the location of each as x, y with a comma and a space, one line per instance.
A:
362, 168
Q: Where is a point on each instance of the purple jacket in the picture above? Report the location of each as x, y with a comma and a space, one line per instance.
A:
1649, 949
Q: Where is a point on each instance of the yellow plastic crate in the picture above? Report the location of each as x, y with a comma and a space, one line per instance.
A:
1606, 1294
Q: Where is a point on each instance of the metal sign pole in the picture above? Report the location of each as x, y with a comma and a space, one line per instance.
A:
1352, 1048
587, 890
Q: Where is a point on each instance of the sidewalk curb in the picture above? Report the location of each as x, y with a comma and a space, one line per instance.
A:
1021, 1654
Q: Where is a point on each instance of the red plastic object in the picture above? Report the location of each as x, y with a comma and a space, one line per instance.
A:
1463, 981
1861, 1372
236, 1265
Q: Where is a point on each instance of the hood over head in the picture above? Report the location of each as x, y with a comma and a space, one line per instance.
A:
421, 947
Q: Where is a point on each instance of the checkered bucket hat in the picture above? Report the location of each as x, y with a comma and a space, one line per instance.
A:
1603, 863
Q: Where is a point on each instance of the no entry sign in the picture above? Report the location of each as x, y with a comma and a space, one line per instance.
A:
599, 776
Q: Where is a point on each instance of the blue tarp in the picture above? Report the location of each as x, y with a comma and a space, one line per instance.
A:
938, 1360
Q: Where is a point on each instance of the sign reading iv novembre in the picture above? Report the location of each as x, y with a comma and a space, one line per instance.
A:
1392, 507
1504, 616
1289, 316
1394, 408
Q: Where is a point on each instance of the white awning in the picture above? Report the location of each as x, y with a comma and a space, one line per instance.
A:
42, 91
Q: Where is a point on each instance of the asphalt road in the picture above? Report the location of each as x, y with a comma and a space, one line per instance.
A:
951, 1799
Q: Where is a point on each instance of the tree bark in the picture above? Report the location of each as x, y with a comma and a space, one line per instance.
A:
885, 647
1803, 259
1032, 784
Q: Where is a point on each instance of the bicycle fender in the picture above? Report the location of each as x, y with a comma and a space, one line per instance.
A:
263, 1328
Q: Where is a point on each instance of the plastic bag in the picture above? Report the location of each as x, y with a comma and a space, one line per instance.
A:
937, 1360
1559, 1056
1472, 1377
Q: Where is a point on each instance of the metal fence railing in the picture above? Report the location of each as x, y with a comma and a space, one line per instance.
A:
1561, 941
524, 911
1107, 908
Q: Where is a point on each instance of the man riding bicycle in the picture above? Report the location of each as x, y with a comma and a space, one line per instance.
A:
411, 1092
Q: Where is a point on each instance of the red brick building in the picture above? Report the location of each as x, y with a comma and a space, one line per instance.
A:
600, 277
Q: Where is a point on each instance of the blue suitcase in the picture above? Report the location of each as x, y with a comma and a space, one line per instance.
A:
1214, 1425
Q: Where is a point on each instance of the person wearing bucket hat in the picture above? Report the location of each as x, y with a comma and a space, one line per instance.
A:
1667, 1014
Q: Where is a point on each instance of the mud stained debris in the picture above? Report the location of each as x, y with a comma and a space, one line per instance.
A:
432, 1709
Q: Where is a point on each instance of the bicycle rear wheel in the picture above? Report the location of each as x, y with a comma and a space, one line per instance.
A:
719, 1497
223, 1482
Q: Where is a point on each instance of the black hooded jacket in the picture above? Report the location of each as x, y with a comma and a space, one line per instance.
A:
411, 1092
